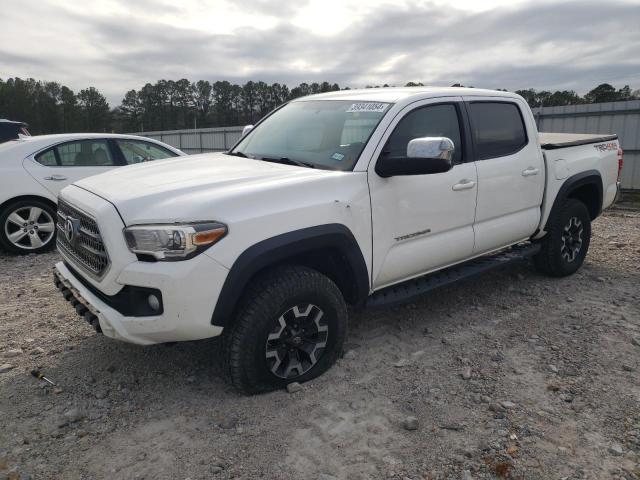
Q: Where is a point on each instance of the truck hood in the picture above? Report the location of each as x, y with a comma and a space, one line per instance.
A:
195, 187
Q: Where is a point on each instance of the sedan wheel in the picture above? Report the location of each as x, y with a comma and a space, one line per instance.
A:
28, 227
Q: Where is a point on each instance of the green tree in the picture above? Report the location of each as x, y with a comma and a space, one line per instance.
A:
95, 110
131, 111
603, 93
202, 100
68, 109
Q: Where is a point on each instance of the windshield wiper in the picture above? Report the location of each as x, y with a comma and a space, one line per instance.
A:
237, 153
287, 161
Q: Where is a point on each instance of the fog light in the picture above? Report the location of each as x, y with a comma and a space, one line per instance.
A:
154, 302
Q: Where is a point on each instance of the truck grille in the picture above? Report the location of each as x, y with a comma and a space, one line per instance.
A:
79, 238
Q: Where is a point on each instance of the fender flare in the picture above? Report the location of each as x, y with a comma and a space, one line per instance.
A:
288, 245
588, 177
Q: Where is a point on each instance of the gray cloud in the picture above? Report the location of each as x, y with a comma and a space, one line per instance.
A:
568, 45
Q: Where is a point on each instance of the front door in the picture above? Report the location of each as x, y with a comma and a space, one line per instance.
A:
423, 222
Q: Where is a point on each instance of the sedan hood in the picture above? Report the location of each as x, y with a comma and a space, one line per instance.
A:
188, 188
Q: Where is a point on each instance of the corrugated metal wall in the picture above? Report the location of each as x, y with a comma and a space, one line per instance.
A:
198, 141
622, 118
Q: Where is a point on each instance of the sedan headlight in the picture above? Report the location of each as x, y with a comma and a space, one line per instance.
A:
173, 242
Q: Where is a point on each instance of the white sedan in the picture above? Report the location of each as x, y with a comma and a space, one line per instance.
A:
34, 169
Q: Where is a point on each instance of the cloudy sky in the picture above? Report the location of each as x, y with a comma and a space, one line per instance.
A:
117, 45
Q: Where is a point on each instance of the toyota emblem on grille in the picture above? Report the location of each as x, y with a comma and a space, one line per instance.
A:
71, 228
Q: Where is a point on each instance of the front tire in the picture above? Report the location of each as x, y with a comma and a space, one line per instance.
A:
290, 327
27, 226
565, 246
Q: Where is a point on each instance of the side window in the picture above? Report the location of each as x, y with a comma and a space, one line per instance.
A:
498, 129
430, 121
137, 151
85, 153
47, 158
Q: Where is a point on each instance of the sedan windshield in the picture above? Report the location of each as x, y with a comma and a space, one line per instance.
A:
327, 134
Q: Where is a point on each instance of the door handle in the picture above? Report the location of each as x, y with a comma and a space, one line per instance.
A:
56, 177
464, 184
530, 171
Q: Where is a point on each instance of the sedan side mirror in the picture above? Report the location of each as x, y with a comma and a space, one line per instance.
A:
424, 156
246, 129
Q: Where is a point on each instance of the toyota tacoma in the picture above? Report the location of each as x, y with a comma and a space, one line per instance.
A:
362, 197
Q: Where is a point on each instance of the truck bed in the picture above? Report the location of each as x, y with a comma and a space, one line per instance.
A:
550, 141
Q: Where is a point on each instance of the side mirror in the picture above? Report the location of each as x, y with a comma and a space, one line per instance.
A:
246, 129
424, 156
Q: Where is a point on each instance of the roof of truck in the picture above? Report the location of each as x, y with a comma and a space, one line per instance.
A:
394, 94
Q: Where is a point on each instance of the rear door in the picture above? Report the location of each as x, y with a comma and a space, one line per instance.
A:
510, 172
62, 164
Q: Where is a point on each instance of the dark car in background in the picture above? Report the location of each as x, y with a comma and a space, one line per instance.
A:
10, 130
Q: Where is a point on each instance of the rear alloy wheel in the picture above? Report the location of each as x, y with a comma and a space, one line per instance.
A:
290, 327
27, 227
572, 239
566, 243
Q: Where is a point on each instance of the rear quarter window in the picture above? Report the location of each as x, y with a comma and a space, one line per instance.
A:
47, 158
498, 129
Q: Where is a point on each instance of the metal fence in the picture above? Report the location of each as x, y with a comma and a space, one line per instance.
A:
622, 118
198, 141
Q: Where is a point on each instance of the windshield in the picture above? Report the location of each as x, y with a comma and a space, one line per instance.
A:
327, 134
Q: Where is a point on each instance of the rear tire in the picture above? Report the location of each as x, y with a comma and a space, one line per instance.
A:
27, 226
290, 327
566, 243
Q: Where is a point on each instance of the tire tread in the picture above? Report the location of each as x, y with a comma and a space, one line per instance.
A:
267, 289
546, 261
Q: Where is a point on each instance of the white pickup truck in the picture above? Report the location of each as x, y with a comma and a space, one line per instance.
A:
356, 197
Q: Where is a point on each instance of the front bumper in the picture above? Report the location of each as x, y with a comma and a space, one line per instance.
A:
189, 293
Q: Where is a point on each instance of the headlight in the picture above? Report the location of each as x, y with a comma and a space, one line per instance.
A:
173, 242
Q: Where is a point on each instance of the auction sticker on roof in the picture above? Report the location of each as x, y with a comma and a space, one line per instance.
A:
367, 107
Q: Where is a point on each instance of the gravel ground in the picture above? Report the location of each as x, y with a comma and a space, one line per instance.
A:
510, 375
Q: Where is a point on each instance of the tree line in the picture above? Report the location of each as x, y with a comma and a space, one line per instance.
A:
49, 107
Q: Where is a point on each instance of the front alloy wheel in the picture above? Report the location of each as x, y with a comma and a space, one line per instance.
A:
297, 341
290, 326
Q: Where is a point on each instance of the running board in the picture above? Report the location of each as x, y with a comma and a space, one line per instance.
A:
405, 291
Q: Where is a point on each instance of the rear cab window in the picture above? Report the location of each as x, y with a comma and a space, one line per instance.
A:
498, 128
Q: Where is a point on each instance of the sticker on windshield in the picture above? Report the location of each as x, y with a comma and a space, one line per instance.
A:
337, 156
367, 107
